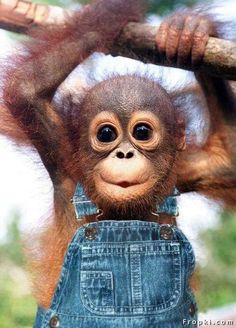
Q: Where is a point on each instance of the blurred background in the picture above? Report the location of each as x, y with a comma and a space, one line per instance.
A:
26, 196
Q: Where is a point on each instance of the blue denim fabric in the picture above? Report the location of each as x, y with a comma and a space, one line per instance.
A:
124, 274
169, 206
82, 204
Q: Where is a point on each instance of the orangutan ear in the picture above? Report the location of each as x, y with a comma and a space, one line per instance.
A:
181, 135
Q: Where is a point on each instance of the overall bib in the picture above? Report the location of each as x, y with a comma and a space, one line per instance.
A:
124, 274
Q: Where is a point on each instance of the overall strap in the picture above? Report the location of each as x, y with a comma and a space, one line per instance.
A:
169, 206
84, 206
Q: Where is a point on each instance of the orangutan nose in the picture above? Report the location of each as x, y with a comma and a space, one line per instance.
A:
121, 154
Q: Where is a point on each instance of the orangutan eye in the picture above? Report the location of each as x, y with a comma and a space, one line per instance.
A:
107, 133
142, 132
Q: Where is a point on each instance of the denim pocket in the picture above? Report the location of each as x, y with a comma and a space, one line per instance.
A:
131, 278
97, 289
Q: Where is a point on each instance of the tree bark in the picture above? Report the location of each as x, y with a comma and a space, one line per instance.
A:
137, 40
19, 15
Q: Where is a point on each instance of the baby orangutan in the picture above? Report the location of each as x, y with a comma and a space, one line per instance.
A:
129, 146
124, 142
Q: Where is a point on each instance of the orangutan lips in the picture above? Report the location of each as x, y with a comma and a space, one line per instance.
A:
125, 184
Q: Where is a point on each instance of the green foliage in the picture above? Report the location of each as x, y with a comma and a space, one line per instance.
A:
17, 306
12, 248
217, 277
61, 3
162, 7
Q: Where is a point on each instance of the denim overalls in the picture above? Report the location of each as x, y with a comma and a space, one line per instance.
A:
123, 274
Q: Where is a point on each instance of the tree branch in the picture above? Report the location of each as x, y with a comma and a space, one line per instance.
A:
137, 40
19, 15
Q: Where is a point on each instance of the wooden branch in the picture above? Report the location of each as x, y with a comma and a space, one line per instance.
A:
137, 40
19, 15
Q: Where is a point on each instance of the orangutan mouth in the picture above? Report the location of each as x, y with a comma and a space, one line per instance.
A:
126, 184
